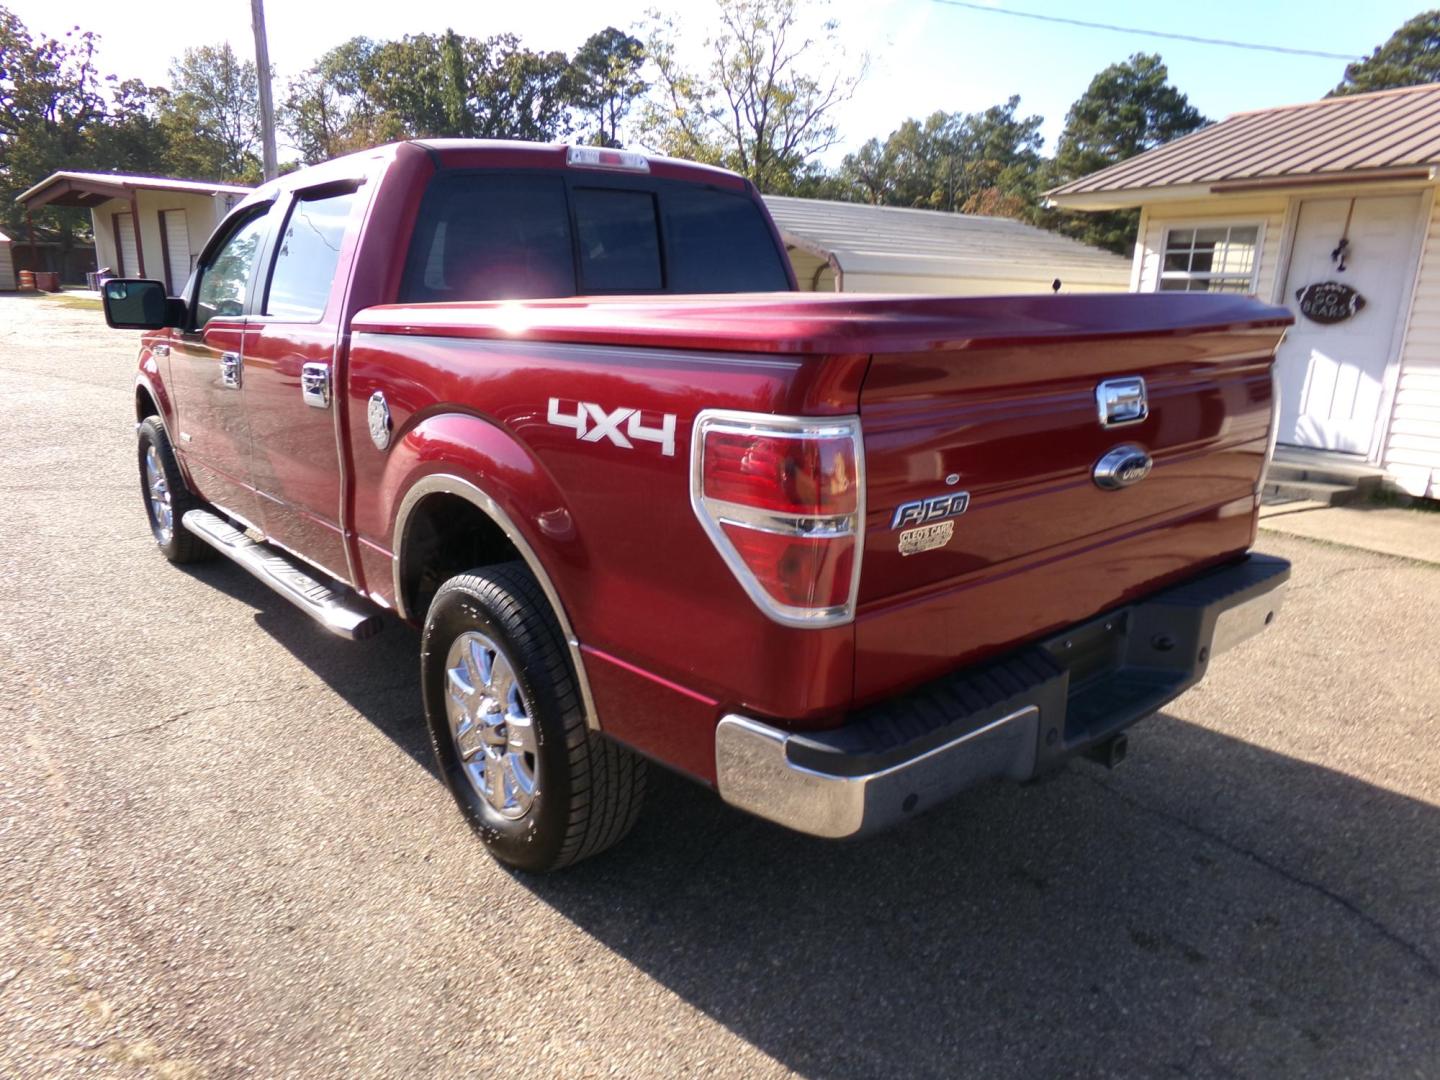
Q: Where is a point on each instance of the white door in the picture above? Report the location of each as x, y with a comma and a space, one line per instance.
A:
1332, 375
129, 253
177, 248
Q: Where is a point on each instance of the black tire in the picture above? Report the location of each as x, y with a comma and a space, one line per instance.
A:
175, 543
588, 790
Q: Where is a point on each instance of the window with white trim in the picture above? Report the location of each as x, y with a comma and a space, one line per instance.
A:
1211, 258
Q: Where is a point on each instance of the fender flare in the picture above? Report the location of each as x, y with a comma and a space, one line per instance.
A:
143, 381
450, 484
147, 379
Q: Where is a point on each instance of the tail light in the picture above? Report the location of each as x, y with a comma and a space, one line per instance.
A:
783, 500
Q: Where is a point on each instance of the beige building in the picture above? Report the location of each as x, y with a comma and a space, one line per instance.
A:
1330, 209
145, 226
855, 247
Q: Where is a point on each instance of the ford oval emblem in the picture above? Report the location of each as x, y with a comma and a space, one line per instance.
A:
1121, 467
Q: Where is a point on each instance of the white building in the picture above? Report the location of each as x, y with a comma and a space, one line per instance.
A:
145, 226
855, 247
1328, 208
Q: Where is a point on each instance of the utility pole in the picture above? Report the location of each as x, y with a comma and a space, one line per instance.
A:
262, 71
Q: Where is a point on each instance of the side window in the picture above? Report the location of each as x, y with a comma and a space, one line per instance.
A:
224, 278
1217, 258
309, 248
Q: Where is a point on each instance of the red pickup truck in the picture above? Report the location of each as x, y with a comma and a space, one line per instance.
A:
835, 556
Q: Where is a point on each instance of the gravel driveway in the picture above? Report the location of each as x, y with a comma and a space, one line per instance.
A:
223, 850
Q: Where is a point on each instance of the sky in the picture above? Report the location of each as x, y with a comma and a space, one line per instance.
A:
923, 54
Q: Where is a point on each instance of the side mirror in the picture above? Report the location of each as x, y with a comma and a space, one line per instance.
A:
139, 304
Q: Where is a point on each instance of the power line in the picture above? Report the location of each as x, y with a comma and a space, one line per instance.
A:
1150, 33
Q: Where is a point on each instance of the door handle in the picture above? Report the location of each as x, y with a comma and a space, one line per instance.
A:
231, 367
315, 385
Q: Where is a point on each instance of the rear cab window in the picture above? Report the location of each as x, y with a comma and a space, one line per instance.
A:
619, 240
498, 235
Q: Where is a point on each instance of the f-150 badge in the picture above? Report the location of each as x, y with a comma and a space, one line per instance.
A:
591, 423
932, 520
935, 508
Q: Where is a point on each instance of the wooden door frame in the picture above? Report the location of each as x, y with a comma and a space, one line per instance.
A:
165, 253
115, 232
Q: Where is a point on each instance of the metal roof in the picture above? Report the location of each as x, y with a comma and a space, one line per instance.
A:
93, 188
931, 243
1374, 135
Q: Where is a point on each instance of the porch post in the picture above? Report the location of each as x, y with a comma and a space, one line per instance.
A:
34, 251
139, 243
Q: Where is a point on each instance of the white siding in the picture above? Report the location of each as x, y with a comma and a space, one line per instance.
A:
7, 267
958, 285
129, 265
1412, 450
179, 256
812, 272
807, 265
1157, 217
202, 214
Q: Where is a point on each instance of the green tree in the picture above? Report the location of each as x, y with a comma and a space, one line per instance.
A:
315, 117
1410, 57
132, 139
868, 174
211, 118
607, 81
1127, 109
365, 92
763, 105
980, 162
51, 102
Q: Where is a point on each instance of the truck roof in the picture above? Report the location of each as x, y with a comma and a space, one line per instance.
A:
491, 153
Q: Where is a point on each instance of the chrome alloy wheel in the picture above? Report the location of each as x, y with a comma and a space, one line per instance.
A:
490, 724
162, 514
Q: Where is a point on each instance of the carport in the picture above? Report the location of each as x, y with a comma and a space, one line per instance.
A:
145, 226
855, 247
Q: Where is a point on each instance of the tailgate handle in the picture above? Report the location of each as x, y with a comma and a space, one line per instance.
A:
1122, 401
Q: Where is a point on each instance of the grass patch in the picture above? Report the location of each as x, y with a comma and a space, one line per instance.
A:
79, 303
1389, 497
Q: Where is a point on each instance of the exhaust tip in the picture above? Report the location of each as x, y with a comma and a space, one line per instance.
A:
1111, 752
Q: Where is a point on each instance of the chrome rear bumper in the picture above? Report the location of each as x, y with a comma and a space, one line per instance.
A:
1014, 717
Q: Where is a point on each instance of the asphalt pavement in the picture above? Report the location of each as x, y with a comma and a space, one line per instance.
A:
224, 851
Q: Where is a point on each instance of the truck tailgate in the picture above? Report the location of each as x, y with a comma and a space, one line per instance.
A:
1039, 545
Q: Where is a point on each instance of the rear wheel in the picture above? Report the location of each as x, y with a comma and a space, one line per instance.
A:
508, 728
167, 499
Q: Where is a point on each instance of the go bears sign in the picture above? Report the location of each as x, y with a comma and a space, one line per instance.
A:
1329, 302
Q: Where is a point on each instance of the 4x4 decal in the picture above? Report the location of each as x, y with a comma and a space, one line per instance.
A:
591, 423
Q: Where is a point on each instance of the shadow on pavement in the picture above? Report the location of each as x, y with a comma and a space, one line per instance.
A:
379, 677
1211, 908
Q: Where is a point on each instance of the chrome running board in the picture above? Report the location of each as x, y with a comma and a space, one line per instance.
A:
340, 612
